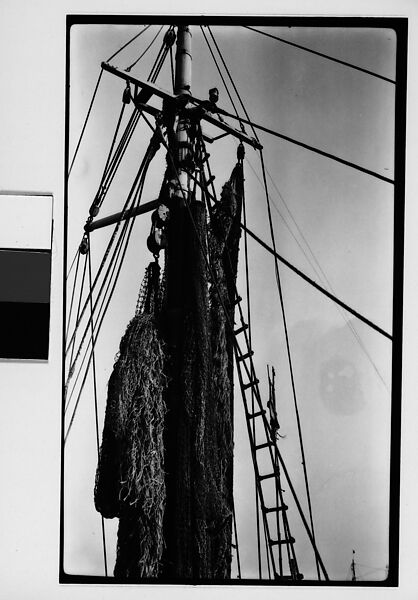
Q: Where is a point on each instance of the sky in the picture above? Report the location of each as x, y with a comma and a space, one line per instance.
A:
345, 217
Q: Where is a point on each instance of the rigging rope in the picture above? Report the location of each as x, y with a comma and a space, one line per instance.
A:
220, 73
233, 84
245, 229
146, 49
208, 266
342, 161
317, 286
155, 70
328, 283
72, 295
120, 151
278, 487
299, 425
247, 291
107, 281
107, 251
72, 265
105, 183
283, 313
248, 341
283, 309
268, 554
234, 520
130, 42
236, 347
87, 368
108, 160
331, 58
252, 376
78, 308
172, 69
161, 56
317, 269
85, 121
110, 169
209, 178
129, 231
255, 126
349, 324
116, 161
98, 82
144, 166
95, 398
99, 312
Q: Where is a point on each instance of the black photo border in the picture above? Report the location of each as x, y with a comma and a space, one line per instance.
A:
400, 26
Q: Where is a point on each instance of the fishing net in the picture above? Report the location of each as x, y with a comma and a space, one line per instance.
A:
167, 474
199, 424
223, 245
130, 475
188, 488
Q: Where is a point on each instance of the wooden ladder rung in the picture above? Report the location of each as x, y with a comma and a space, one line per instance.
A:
290, 540
256, 414
268, 476
236, 301
275, 508
252, 383
241, 329
245, 356
265, 445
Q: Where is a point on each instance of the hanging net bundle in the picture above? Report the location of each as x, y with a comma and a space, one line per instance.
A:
199, 428
166, 460
130, 475
224, 235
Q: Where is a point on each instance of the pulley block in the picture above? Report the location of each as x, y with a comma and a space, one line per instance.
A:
157, 238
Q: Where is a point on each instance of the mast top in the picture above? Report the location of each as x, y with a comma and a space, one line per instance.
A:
183, 77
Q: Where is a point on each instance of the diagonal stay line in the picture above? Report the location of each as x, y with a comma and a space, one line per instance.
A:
316, 286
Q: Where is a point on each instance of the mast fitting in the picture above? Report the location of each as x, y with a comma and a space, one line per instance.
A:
126, 96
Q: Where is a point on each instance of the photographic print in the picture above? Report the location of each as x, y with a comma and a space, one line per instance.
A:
233, 300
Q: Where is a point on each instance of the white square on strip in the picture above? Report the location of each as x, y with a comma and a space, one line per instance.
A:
26, 221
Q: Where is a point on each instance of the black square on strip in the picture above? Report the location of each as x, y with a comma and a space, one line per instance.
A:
25, 303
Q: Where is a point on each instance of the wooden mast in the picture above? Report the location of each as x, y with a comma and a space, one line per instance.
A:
198, 429
186, 326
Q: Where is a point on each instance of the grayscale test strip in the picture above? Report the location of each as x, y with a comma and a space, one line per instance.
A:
25, 272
